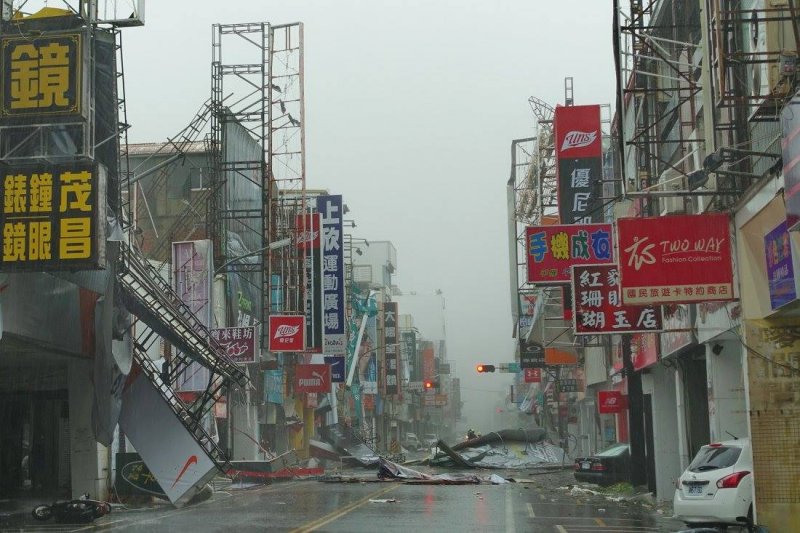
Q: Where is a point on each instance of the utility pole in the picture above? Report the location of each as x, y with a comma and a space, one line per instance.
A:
635, 416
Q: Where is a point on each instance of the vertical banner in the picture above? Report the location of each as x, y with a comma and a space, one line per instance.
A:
391, 349
579, 151
409, 347
780, 271
308, 241
790, 148
428, 363
333, 296
192, 269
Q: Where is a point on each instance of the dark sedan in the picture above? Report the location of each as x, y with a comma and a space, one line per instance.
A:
612, 465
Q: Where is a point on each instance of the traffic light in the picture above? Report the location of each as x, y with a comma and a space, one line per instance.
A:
428, 384
431, 384
484, 368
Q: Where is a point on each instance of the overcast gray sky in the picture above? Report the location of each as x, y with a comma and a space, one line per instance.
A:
411, 107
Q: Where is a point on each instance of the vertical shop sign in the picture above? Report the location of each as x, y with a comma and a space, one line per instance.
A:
52, 217
333, 296
391, 347
598, 304
579, 150
780, 272
308, 242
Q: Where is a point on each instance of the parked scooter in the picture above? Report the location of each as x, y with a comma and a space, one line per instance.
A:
81, 511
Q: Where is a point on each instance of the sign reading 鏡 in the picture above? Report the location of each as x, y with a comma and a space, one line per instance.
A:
41, 75
675, 259
390, 342
333, 297
553, 250
50, 217
237, 343
598, 304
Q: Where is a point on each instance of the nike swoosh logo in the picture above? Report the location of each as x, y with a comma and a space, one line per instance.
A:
192, 460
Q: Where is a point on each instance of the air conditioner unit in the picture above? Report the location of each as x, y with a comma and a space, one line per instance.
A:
770, 45
671, 180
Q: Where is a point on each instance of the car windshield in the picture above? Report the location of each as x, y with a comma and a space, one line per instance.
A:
712, 458
617, 449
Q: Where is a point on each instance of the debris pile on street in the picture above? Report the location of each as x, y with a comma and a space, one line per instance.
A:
506, 449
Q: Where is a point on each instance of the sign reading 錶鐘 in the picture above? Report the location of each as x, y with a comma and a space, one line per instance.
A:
52, 217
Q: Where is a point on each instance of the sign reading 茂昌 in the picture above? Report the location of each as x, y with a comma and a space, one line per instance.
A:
333, 297
50, 217
237, 343
553, 250
579, 150
391, 346
41, 75
680, 258
598, 304
780, 272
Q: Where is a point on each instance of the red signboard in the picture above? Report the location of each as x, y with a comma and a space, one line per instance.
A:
553, 250
578, 131
532, 375
428, 364
611, 401
307, 231
598, 304
312, 378
237, 343
644, 350
681, 258
286, 333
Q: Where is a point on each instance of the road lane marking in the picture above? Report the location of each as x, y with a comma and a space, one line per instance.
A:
335, 515
511, 526
530, 511
560, 529
599, 521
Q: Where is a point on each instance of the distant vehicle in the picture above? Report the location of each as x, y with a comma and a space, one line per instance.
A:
430, 439
612, 465
717, 487
412, 442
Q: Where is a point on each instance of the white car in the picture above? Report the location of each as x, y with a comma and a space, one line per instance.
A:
717, 487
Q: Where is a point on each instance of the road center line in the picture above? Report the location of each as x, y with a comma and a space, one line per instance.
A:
511, 526
330, 517
530, 511
561, 529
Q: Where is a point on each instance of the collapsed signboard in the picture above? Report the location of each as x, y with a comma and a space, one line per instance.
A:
675, 259
53, 217
553, 250
598, 304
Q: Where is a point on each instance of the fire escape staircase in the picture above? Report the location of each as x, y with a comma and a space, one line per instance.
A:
151, 298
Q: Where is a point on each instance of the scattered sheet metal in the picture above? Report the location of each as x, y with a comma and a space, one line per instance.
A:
504, 435
500, 449
389, 470
494, 479
385, 500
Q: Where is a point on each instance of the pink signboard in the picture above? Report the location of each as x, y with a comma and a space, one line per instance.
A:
598, 304
554, 250
681, 258
237, 343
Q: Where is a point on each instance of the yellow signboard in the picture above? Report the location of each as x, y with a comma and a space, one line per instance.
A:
50, 218
41, 75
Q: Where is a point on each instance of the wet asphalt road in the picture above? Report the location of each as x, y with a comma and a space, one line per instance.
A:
301, 506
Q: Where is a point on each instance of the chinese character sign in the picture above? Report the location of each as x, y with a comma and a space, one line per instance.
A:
682, 258
237, 343
333, 296
553, 250
49, 217
286, 333
598, 304
391, 347
579, 150
41, 75
780, 272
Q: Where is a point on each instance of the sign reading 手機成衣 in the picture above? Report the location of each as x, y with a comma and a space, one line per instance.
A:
553, 250
334, 339
50, 217
598, 304
237, 343
675, 259
42, 75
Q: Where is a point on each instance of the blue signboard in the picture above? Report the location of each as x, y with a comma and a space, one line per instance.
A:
333, 297
337, 367
778, 253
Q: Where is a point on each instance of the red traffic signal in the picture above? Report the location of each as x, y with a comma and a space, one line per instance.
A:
484, 368
428, 384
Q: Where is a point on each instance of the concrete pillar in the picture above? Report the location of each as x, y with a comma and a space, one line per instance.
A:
89, 459
665, 427
727, 414
680, 410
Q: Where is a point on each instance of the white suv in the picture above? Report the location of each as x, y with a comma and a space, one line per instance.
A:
717, 487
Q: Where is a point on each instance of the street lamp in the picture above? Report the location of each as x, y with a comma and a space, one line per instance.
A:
271, 246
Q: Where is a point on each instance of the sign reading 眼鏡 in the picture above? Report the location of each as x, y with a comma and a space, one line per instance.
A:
41, 75
50, 217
